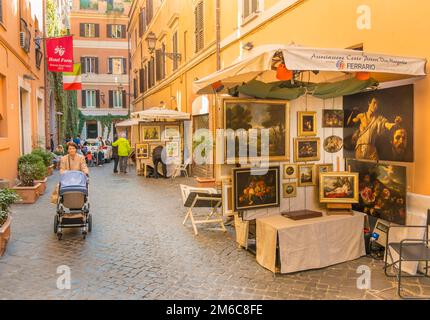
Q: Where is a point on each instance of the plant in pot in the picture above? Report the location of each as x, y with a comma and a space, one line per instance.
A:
47, 159
7, 197
29, 172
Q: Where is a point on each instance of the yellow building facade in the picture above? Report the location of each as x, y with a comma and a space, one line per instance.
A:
381, 26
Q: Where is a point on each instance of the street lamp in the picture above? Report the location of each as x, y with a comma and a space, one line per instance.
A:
151, 41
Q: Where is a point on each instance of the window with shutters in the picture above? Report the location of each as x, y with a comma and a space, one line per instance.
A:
142, 22
142, 80
117, 66
89, 65
117, 96
175, 49
135, 88
117, 31
149, 11
199, 26
90, 98
250, 9
89, 30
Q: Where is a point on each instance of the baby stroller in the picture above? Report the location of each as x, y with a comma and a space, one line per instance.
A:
73, 208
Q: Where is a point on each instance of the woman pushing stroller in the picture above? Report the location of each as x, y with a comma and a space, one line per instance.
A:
73, 161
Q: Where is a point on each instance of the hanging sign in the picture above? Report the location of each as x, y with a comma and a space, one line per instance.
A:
59, 54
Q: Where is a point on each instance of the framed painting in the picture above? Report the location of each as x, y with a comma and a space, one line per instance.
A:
151, 133
227, 198
255, 188
243, 115
142, 150
306, 123
333, 144
171, 132
324, 167
339, 187
306, 149
307, 175
382, 190
290, 171
289, 190
379, 125
172, 149
333, 118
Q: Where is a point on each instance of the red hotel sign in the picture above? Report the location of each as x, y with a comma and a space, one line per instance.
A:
59, 53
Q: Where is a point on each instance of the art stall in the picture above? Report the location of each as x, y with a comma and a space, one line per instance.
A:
340, 148
158, 127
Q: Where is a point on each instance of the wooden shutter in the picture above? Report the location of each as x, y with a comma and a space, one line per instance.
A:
199, 26
83, 65
96, 65
109, 30
158, 64
110, 99
149, 11
97, 28
141, 80
82, 29
84, 98
97, 98
135, 88
110, 66
145, 78
124, 65
124, 99
123, 31
175, 49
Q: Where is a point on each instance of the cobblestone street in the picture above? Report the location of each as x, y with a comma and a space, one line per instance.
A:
139, 250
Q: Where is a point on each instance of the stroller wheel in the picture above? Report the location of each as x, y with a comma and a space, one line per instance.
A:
56, 221
90, 222
59, 236
84, 235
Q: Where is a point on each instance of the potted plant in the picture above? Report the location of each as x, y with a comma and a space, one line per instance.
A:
47, 158
29, 171
7, 197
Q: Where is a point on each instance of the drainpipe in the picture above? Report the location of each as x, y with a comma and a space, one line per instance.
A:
48, 130
218, 34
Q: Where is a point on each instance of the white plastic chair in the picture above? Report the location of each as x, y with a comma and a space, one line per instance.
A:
182, 168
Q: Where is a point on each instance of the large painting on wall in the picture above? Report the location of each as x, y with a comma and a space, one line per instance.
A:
382, 190
259, 114
255, 188
379, 125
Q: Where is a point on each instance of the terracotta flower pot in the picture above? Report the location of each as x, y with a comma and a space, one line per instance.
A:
50, 170
42, 187
28, 194
4, 235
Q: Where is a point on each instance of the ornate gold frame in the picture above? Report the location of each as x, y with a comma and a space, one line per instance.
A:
300, 116
284, 186
339, 174
296, 149
314, 182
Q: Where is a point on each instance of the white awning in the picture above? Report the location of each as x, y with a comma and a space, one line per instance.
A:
127, 123
160, 114
258, 64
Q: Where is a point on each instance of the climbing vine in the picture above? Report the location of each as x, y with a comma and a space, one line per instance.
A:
106, 121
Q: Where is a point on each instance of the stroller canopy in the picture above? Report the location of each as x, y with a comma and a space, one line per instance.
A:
73, 181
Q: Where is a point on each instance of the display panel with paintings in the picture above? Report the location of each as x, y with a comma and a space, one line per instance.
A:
379, 125
382, 190
255, 188
307, 123
249, 114
338, 187
306, 149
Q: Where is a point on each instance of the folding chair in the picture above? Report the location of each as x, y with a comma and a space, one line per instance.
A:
408, 250
181, 168
204, 200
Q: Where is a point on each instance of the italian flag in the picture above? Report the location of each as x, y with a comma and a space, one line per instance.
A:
73, 80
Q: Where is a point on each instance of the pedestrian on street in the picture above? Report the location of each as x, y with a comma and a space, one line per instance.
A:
115, 155
73, 160
158, 156
51, 142
123, 152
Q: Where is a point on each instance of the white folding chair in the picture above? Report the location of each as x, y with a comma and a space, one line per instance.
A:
182, 168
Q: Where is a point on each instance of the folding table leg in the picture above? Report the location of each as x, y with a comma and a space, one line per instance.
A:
186, 216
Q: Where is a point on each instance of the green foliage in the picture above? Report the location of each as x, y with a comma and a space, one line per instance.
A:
106, 121
7, 197
45, 155
31, 167
29, 158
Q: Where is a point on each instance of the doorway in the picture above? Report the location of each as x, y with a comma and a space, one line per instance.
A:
41, 141
25, 121
92, 130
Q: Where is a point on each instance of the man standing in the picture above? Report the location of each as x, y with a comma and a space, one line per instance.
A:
115, 156
51, 142
123, 152
159, 156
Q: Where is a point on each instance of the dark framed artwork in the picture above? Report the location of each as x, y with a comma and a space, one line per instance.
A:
142, 150
306, 149
247, 114
289, 190
379, 125
307, 123
382, 190
255, 188
333, 144
333, 118
338, 187
307, 175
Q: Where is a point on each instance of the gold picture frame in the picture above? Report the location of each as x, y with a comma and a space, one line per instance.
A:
289, 190
142, 150
171, 132
289, 171
339, 187
151, 133
306, 175
255, 106
307, 149
307, 123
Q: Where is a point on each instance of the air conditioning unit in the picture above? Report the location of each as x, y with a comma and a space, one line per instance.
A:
22, 40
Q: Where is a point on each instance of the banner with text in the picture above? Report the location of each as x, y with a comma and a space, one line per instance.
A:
59, 54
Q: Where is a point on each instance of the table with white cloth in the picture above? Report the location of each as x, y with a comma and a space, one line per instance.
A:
311, 243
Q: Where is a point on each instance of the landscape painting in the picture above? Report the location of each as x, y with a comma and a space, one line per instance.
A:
382, 190
379, 125
258, 114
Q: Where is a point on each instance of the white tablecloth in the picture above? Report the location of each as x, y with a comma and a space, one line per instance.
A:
311, 243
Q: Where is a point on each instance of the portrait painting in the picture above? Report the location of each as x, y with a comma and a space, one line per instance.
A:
243, 115
306, 149
290, 171
333, 118
379, 125
339, 187
172, 149
289, 190
307, 175
151, 133
171, 132
382, 190
255, 188
142, 151
307, 123
333, 144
